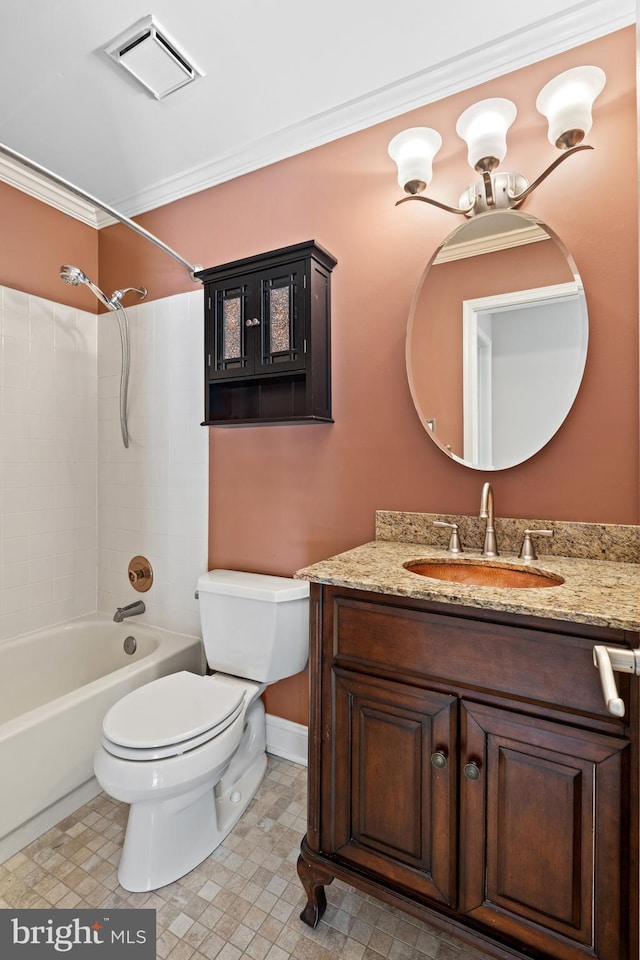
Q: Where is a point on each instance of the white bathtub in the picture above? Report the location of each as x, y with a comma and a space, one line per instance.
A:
55, 687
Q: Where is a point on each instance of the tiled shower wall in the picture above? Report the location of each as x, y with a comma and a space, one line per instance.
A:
153, 496
75, 506
48, 455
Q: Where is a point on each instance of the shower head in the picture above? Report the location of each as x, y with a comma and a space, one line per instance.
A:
74, 276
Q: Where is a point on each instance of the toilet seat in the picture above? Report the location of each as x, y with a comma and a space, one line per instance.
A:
172, 715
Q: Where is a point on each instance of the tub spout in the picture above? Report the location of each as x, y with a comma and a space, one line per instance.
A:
131, 610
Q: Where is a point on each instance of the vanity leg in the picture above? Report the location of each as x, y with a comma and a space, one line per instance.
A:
313, 879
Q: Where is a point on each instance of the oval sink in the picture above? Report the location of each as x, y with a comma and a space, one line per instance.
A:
479, 574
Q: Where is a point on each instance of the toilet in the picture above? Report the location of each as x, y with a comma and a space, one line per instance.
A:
187, 752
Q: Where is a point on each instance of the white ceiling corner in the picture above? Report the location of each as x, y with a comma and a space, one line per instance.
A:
80, 119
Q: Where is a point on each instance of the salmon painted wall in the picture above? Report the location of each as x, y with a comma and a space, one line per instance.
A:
285, 496
35, 239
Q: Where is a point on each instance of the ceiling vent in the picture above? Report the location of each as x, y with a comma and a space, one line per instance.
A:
153, 58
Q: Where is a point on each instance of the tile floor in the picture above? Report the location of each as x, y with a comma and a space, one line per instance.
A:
242, 903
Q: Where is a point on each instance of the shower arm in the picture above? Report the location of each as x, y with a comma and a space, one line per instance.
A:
67, 185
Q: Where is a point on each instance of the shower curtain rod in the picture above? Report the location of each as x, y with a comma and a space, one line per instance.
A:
71, 187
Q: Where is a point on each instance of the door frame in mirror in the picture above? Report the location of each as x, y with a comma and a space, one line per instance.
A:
477, 366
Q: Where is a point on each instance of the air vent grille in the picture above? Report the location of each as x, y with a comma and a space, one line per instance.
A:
147, 52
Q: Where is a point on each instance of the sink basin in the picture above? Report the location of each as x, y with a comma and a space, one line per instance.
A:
481, 574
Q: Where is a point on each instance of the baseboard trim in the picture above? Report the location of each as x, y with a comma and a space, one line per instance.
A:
287, 739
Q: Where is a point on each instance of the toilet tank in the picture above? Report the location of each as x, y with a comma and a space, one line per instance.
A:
254, 625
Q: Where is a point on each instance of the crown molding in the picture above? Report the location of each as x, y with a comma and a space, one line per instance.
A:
581, 23
41, 188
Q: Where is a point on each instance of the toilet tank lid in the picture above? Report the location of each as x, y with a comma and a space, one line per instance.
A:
252, 586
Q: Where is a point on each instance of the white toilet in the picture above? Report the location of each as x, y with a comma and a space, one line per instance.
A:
188, 752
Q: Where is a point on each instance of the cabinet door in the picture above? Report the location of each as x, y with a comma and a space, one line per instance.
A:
229, 348
392, 811
280, 334
542, 830
257, 324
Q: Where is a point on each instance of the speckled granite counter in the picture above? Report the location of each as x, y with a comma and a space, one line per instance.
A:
600, 592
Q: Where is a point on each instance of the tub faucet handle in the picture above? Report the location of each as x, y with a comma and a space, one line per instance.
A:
455, 546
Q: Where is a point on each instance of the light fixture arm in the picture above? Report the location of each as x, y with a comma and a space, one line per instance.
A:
488, 198
520, 197
436, 203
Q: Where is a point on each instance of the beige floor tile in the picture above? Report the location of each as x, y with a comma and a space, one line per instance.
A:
242, 903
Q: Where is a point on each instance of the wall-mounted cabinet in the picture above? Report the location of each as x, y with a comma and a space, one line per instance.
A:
267, 338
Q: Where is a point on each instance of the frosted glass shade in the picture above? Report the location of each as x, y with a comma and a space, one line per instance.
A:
483, 126
413, 151
567, 102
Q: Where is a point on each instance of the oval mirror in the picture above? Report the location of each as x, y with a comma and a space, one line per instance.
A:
497, 340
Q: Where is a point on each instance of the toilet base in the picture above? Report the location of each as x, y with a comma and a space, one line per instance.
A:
167, 839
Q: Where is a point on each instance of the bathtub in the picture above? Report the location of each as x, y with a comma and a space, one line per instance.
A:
55, 687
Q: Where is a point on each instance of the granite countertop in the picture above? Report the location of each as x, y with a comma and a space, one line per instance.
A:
599, 592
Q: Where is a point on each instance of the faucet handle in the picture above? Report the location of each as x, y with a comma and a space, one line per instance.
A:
454, 541
527, 550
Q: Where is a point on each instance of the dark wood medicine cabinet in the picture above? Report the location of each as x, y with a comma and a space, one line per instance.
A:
268, 338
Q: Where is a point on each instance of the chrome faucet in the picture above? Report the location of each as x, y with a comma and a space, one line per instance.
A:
131, 610
490, 545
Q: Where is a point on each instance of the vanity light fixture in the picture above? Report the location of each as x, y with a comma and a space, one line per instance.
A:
566, 102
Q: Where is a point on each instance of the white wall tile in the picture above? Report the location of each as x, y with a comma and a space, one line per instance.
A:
140, 488
14, 549
14, 575
48, 389
75, 505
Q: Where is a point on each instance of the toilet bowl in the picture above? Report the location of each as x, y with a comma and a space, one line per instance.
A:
188, 752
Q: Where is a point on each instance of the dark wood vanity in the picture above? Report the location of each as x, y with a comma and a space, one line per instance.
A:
463, 767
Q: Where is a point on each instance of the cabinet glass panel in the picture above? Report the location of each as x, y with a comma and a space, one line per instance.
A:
232, 318
230, 348
279, 300
280, 320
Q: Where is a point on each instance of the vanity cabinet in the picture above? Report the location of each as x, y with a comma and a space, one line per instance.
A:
267, 338
462, 766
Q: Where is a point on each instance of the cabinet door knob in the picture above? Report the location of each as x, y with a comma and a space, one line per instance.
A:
439, 759
472, 771
252, 322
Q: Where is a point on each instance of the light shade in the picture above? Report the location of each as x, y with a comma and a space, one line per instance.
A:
413, 151
483, 126
567, 101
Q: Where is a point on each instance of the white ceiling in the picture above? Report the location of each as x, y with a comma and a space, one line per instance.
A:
281, 76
